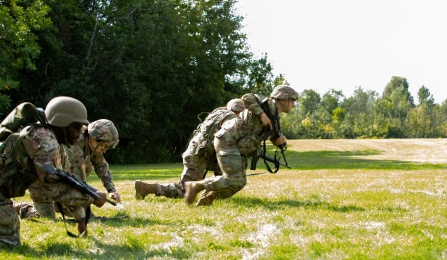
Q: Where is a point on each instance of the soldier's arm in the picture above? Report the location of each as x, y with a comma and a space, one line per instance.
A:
101, 168
251, 102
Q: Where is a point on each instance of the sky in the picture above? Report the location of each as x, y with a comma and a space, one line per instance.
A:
346, 44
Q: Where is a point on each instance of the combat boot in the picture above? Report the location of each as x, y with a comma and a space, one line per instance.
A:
142, 189
191, 190
25, 210
206, 199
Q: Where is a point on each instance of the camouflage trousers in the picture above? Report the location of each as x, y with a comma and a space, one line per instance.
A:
233, 166
44, 196
43, 205
194, 168
9, 224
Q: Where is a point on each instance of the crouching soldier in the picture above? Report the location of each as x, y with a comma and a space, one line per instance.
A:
25, 155
199, 157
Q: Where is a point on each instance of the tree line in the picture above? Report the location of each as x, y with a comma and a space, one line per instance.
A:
366, 114
152, 66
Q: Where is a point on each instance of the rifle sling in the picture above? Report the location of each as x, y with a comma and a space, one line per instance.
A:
87, 217
269, 169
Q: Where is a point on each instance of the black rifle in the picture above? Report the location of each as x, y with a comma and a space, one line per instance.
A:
75, 183
275, 160
275, 132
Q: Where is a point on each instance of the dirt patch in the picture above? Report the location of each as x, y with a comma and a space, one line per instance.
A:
412, 150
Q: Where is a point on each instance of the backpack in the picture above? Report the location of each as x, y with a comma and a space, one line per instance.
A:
18, 124
204, 134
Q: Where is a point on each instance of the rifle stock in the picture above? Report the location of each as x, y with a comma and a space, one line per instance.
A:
75, 183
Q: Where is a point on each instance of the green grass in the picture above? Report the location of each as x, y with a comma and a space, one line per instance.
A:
330, 205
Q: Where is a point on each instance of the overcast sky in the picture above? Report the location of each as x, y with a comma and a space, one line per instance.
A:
344, 44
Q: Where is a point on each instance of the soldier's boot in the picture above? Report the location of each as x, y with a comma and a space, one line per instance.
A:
206, 199
25, 210
16, 206
142, 189
191, 190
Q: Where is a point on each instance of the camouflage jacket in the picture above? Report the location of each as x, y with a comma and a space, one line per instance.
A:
82, 158
246, 129
38, 147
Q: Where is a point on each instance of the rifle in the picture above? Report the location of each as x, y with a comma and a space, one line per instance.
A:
276, 133
75, 183
275, 160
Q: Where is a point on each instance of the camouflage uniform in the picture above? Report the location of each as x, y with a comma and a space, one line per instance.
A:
81, 162
22, 163
40, 147
199, 157
238, 139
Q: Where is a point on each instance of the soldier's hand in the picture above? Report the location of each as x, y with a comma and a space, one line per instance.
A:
266, 120
102, 199
115, 196
280, 140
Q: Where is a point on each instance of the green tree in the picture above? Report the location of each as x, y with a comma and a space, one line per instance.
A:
19, 48
361, 106
422, 119
149, 65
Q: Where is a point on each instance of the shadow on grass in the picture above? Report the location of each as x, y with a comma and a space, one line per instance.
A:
312, 160
290, 203
135, 249
145, 172
57, 249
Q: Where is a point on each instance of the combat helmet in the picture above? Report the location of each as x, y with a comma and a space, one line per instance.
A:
236, 105
62, 111
284, 92
104, 130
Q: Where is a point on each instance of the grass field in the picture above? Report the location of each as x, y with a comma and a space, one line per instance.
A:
342, 199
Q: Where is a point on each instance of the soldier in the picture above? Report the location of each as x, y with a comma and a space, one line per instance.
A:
199, 157
238, 139
88, 154
37, 145
84, 156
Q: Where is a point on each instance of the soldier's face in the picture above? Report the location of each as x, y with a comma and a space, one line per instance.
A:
98, 147
285, 106
74, 131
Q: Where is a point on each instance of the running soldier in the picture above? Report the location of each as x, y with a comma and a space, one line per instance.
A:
238, 139
199, 157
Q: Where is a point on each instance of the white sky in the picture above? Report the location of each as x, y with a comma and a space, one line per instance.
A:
343, 44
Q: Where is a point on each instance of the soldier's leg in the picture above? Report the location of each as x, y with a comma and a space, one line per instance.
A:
172, 190
43, 205
193, 169
72, 199
233, 177
79, 214
9, 224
